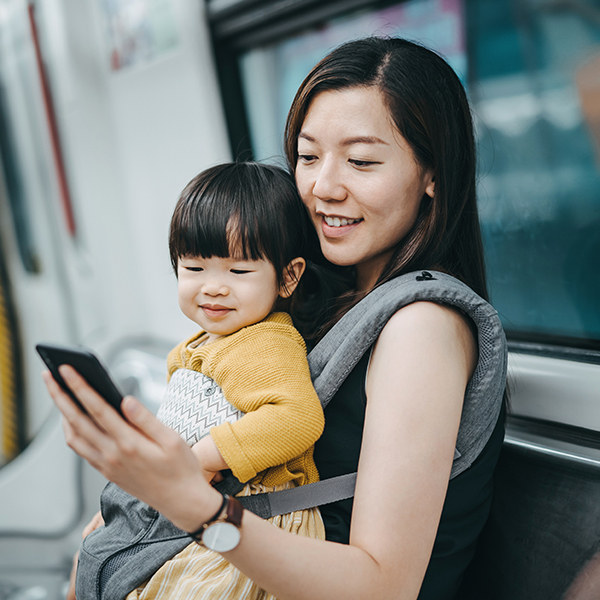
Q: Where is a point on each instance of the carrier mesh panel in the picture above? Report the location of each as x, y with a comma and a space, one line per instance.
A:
114, 563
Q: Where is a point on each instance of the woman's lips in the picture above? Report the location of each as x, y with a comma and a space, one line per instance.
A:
339, 230
214, 311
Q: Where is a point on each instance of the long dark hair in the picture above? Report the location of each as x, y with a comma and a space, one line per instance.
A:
253, 211
429, 107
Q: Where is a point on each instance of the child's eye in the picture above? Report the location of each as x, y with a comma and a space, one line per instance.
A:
240, 271
194, 269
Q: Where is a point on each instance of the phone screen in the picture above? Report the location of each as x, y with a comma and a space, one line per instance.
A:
87, 365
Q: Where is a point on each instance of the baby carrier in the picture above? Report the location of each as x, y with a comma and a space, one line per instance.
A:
143, 540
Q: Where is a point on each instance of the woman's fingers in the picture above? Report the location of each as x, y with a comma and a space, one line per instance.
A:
65, 404
96, 406
145, 421
73, 413
137, 414
79, 443
95, 436
75, 422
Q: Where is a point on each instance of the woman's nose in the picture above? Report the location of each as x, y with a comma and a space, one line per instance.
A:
328, 185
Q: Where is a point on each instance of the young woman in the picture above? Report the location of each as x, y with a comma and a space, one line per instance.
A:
380, 139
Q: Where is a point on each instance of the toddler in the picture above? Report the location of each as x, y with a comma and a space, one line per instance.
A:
240, 390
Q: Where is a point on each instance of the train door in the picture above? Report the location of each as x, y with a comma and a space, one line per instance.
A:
98, 136
41, 248
37, 298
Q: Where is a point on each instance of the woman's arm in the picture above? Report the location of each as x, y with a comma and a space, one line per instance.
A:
586, 586
416, 383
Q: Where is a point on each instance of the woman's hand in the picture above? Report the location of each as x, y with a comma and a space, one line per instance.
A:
137, 452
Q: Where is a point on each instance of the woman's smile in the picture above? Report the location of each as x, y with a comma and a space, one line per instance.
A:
336, 226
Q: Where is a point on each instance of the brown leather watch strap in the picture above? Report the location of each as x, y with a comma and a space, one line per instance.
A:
231, 511
235, 511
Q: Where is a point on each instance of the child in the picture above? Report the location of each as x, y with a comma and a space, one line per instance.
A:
240, 389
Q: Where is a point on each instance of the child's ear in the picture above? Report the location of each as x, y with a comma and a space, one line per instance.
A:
291, 277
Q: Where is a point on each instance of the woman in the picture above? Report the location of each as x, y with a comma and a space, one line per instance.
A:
380, 139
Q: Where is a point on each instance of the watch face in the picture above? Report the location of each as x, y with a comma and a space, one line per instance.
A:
221, 537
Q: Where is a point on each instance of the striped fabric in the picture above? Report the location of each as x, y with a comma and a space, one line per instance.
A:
197, 573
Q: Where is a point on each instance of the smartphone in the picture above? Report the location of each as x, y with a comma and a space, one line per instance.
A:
87, 365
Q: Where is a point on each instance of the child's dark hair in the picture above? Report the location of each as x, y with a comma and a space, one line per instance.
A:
253, 211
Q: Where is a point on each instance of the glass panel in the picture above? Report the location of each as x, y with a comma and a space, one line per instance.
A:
536, 93
533, 74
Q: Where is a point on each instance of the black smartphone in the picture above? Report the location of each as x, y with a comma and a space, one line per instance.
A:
87, 365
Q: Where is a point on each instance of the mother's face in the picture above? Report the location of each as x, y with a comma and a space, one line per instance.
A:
359, 179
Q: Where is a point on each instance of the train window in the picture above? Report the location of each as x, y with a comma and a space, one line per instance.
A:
532, 70
271, 74
536, 91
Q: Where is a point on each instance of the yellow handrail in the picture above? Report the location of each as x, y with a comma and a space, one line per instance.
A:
9, 440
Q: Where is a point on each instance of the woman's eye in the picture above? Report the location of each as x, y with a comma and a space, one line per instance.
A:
306, 158
362, 163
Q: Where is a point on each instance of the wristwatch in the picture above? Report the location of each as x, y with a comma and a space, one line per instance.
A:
222, 532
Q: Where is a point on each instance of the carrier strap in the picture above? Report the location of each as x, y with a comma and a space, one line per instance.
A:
301, 498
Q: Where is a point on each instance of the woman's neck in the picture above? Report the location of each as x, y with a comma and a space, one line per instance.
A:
368, 273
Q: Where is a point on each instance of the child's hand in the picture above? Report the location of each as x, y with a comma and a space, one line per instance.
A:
210, 459
97, 521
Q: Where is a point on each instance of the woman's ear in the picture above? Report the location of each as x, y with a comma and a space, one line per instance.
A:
291, 276
430, 188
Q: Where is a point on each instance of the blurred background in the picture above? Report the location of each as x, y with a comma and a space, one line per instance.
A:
109, 107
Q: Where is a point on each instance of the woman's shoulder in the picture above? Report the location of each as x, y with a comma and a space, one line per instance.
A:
426, 314
433, 334
426, 323
446, 332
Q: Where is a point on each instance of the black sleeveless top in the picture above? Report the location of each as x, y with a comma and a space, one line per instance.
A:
468, 499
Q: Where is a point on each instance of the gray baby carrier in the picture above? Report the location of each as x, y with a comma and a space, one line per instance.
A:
136, 540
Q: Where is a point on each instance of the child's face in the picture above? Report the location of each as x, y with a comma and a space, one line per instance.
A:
222, 295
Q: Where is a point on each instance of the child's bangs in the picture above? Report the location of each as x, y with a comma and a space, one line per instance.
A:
240, 210
218, 222
244, 239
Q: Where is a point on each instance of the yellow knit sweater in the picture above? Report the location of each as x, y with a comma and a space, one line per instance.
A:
263, 371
